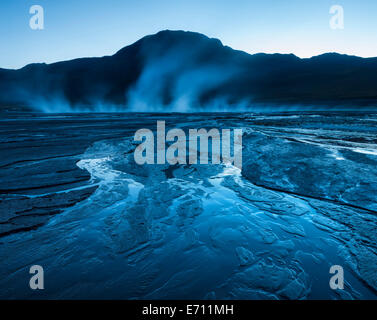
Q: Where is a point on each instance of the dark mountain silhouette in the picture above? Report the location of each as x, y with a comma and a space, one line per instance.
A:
175, 68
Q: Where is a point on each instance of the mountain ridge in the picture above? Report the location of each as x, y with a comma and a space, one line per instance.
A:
182, 71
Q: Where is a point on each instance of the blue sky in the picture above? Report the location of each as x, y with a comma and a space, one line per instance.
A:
81, 28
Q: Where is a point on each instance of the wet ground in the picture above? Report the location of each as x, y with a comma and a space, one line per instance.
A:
73, 200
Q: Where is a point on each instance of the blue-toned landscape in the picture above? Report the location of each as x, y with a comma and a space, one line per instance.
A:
74, 201
162, 150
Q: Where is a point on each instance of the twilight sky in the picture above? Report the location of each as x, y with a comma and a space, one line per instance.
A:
84, 28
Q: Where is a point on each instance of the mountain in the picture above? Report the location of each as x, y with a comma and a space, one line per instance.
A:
177, 70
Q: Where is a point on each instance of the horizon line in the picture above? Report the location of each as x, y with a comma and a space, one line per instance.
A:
195, 32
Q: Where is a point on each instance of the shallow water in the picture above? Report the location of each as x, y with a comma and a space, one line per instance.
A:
304, 200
